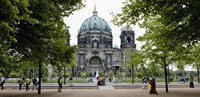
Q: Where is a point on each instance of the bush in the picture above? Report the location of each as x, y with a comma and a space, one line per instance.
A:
67, 74
14, 75
170, 79
1, 74
110, 73
128, 74
102, 74
44, 80
119, 74
139, 74
84, 74
78, 73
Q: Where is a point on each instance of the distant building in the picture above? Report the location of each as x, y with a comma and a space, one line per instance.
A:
95, 50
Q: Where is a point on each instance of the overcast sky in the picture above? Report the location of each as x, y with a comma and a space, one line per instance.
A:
104, 9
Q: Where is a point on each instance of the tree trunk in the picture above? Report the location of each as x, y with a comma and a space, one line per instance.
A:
64, 75
168, 73
165, 67
73, 72
132, 74
40, 74
198, 73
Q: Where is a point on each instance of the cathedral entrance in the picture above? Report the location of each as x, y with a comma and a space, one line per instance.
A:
95, 65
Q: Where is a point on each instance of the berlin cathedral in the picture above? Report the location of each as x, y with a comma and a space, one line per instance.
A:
95, 51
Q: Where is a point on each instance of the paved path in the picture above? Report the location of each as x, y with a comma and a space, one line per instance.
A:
94, 85
173, 92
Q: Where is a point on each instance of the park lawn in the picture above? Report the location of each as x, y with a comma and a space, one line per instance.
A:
74, 81
48, 81
139, 80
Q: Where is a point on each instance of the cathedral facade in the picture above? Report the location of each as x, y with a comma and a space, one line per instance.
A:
95, 51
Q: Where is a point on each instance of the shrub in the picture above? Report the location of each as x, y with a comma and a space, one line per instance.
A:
44, 80
170, 79
13, 75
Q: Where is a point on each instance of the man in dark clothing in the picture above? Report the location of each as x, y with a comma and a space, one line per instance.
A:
191, 82
59, 84
2, 81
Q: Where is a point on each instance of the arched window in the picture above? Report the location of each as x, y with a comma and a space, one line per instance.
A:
128, 39
95, 44
95, 26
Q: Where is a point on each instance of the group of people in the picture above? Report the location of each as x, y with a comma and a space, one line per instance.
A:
26, 82
101, 82
151, 86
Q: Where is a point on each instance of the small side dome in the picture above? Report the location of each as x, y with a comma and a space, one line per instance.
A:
127, 28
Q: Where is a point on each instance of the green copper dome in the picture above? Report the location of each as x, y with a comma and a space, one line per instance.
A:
95, 23
127, 28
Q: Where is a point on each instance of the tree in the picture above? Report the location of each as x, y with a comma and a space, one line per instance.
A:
34, 26
11, 12
133, 60
180, 16
193, 58
178, 20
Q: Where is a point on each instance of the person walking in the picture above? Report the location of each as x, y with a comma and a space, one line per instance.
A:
153, 87
2, 81
27, 81
35, 83
191, 85
70, 81
20, 82
59, 84
144, 86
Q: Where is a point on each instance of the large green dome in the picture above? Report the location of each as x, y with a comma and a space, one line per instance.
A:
95, 23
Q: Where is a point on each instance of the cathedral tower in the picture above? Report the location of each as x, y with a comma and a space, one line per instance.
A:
127, 37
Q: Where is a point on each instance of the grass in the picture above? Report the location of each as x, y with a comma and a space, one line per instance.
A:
49, 81
129, 80
74, 81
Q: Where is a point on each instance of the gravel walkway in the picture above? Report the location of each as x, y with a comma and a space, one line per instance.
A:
173, 92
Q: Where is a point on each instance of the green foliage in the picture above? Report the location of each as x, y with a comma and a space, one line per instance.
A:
53, 74
14, 75
127, 73
83, 74
78, 73
101, 73
67, 74
170, 79
110, 73
118, 74
44, 80
172, 31
34, 29
11, 12
179, 17
180, 73
139, 74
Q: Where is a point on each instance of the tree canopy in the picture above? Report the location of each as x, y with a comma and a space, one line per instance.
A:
179, 17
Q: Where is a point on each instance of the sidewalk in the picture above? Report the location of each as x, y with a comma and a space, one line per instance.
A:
94, 86
173, 92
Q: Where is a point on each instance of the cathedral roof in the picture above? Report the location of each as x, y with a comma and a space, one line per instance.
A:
95, 23
127, 28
